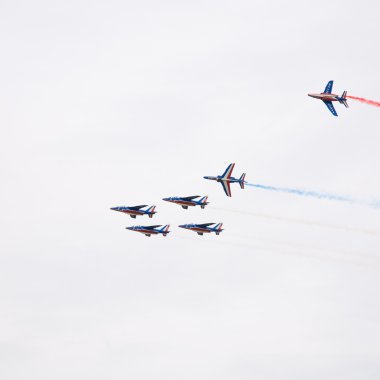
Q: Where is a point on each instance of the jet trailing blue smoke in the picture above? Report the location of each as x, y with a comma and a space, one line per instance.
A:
316, 194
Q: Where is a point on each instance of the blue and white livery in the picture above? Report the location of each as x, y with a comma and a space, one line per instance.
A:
226, 178
185, 202
133, 211
151, 230
204, 228
327, 97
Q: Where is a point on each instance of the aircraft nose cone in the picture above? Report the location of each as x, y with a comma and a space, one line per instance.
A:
182, 226
113, 208
128, 228
165, 199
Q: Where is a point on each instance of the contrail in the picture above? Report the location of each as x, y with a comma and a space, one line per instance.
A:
313, 253
316, 194
302, 221
345, 254
363, 100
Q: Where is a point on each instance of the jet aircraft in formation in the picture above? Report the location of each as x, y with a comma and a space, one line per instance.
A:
151, 230
226, 179
185, 202
204, 228
327, 97
133, 211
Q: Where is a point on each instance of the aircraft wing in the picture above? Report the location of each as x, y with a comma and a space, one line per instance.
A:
228, 172
331, 108
205, 224
226, 188
329, 87
191, 198
137, 207
158, 225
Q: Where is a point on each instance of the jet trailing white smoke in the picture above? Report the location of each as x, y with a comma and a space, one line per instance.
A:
307, 222
319, 195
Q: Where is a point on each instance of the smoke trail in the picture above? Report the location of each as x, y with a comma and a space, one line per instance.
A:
319, 195
312, 253
346, 254
302, 221
363, 100
306, 193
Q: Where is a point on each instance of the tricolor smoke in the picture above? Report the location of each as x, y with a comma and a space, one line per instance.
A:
316, 194
363, 100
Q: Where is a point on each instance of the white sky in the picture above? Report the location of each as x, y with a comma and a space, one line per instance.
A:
121, 102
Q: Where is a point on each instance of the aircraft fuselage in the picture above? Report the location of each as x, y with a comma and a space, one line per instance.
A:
133, 212
147, 231
199, 229
183, 202
221, 179
202, 229
325, 97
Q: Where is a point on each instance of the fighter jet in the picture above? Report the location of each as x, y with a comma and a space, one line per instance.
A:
327, 97
136, 210
151, 230
204, 228
225, 179
185, 202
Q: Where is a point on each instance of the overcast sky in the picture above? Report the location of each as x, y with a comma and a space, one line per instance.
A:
108, 103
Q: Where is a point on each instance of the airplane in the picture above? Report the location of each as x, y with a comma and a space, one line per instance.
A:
204, 228
225, 179
327, 97
136, 210
185, 202
151, 230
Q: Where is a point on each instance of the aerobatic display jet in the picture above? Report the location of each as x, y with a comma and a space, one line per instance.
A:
185, 202
204, 228
136, 210
327, 97
150, 230
226, 179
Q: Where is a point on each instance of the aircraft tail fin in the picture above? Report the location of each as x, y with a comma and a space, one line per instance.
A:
165, 229
343, 99
151, 211
242, 180
218, 227
203, 200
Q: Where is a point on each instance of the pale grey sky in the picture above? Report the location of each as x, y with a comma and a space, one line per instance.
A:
120, 102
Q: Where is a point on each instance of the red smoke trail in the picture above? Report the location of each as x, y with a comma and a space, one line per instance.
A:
363, 100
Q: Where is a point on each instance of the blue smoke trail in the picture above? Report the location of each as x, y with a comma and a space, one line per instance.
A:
316, 194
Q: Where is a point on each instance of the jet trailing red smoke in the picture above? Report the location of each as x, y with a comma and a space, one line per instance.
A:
363, 100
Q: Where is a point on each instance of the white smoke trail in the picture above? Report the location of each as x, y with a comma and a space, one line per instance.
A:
293, 250
344, 254
318, 195
303, 221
